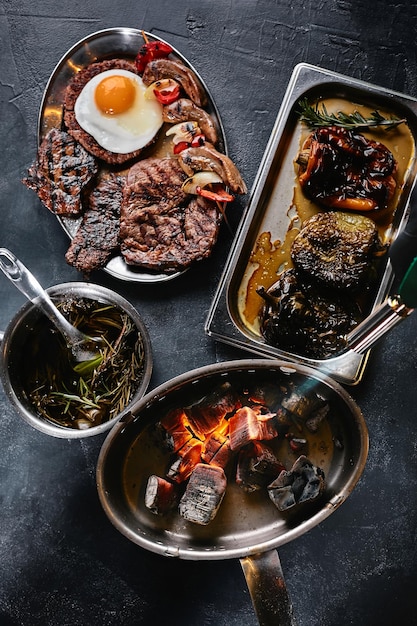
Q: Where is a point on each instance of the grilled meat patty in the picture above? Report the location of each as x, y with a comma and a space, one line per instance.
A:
162, 228
74, 89
61, 171
97, 237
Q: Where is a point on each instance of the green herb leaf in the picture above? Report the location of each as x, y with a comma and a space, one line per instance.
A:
317, 116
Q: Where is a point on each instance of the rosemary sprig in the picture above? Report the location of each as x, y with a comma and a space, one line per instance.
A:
317, 116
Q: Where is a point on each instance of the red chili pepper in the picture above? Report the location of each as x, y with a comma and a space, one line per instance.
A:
179, 147
168, 94
198, 140
220, 195
149, 51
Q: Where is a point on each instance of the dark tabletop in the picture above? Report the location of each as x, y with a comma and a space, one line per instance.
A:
62, 562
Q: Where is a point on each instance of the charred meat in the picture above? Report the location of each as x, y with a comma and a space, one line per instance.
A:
336, 249
341, 169
185, 110
300, 318
207, 158
162, 228
158, 69
62, 170
97, 237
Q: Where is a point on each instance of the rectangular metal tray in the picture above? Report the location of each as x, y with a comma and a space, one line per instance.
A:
270, 201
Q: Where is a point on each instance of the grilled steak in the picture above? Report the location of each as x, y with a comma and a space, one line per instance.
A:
61, 171
73, 91
98, 235
162, 228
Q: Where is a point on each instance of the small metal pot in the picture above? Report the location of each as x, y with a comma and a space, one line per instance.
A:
15, 336
244, 528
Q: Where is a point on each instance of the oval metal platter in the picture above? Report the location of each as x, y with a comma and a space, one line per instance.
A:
101, 45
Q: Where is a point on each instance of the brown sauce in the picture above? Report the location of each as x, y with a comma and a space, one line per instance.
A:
271, 254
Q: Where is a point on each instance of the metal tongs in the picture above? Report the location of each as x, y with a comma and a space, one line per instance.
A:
403, 258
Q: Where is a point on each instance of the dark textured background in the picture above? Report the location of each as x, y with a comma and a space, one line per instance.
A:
61, 561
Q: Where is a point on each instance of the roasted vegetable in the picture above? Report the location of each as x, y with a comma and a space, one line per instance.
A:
336, 248
300, 318
341, 169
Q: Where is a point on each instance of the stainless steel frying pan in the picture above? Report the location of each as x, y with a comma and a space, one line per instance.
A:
248, 526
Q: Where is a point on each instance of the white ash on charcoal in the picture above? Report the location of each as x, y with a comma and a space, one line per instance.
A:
303, 483
236, 436
203, 495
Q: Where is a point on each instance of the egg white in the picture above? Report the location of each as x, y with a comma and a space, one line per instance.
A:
124, 132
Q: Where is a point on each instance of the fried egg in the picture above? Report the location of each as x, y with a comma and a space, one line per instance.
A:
112, 108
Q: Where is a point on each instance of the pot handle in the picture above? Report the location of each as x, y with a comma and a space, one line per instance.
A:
267, 588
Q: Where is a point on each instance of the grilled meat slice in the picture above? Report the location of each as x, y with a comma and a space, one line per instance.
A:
162, 228
184, 110
204, 494
158, 69
207, 158
335, 248
300, 318
341, 169
97, 237
61, 171
74, 88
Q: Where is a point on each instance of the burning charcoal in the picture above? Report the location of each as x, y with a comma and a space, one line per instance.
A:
160, 496
203, 495
313, 422
249, 425
188, 457
302, 404
268, 395
217, 448
303, 483
257, 466
206, 415
173, 428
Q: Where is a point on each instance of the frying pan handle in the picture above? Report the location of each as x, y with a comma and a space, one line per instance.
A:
267, 588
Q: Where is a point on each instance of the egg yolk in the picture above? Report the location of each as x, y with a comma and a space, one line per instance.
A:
115, 94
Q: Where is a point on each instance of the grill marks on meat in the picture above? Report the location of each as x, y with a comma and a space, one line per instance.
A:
60, 173
97, 238
161, 228
74, 89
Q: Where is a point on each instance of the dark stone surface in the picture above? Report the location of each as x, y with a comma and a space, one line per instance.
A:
61, 561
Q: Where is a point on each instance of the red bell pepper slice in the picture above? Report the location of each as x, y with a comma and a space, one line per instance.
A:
220, 195
149, 51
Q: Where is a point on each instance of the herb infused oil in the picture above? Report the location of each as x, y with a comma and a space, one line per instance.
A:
83, 395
